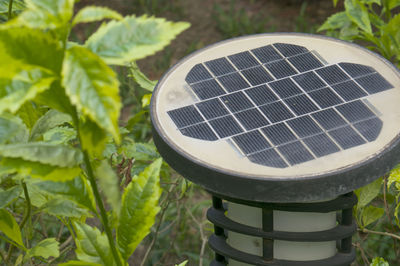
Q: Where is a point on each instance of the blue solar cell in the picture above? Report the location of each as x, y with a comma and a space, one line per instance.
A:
261, 95
268, 158
301, 104
212, 108
199, 131
266, 54
220, 66
233, 82
276, 112
251, 142
257, 75
225, 126
243, 60
237, 101
251, 119
285, 88
185, 116
295, 153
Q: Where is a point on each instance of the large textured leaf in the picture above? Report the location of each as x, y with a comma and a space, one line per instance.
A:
7, 196
60, 206
95, 13
45, 14
368, 193
139, 208
9, 227
394, 177
18, 5
50, 120
358, 13
39, 170
109, 184
379, 262
29, 112
46, 248
42, 152
370, 214
23, 46
393, 3
59, 135
77, 190
93, 88
92, 246
133, 38
12, 129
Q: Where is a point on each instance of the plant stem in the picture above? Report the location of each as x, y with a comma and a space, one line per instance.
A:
379, 233
92, 180
10, 4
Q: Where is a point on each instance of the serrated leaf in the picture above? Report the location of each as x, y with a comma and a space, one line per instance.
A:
48, 121
336, 21
358, 13
133, 38
9, 195
95, 13
60, 206
45, 14
392, 29
93, 88
59, 135
46, 248
109, 183
10, 228
370, 214
393, 4
145, 152
12, 129
379, 262
79, 263
139, 208
368, 193
92, 246
39, 170
141, 78
42, 152
77, 190
56, 98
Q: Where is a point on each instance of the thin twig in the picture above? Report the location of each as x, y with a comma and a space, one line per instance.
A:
202, 236
43, 226
379, 233
60, 232
363, 256
66, 242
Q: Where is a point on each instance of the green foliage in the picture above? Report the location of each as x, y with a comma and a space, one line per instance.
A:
370, 21
139, 208
133, 38
62, 152
379, 262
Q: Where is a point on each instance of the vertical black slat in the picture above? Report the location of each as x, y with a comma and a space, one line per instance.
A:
219, 231
347, 219
268, 226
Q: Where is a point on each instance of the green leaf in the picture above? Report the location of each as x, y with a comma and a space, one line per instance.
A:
77, 190
79, 263
46, 248
370, 2
394, 177
139, 208
42, 152
95, 13
379, 262
92, 246
45, 14
56, 98
59, 135
146, 99
141, 78
93, 88
9, 195
368, 193
336, 21
392, 28
109, 183
12, 129
133, 38
29, 112
183, 263
60, 206
18, 5
24, 47
145, 152
393, 4
93, 138
10, 228
370, 214
335, 2
48, 121
39, 170
358, 13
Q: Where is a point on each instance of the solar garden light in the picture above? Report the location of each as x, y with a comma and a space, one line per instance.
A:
280, 129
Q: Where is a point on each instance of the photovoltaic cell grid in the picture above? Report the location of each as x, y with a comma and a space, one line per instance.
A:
281, 105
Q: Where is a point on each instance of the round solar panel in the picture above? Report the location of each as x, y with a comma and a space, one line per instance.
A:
279, 117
